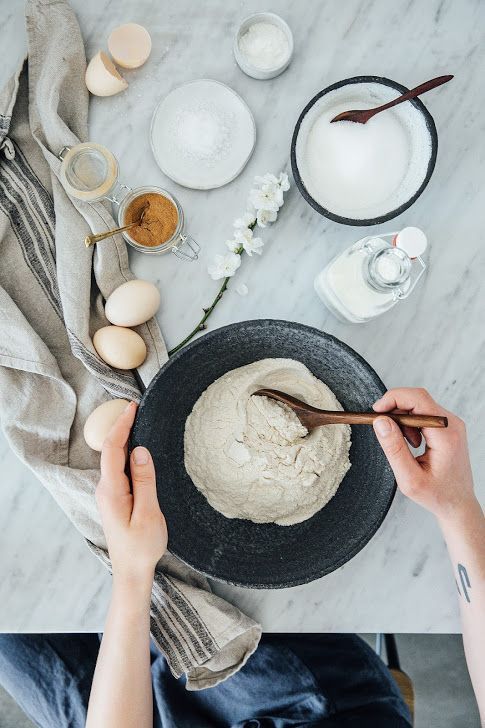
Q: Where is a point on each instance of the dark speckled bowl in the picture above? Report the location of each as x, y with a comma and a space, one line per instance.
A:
433, 150
242, 552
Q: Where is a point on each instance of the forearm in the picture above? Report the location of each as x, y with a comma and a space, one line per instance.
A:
464, 533
121, 694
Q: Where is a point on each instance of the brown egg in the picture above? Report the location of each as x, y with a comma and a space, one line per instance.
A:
101, 420
120, 347
132, 303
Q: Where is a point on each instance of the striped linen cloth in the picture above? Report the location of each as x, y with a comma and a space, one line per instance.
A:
51, 302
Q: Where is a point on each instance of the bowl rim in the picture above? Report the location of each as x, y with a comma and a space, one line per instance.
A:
361, 222
317, 573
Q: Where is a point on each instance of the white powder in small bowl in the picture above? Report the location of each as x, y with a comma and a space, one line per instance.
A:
264, 45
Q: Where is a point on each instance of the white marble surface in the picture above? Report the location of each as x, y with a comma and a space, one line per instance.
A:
401, 581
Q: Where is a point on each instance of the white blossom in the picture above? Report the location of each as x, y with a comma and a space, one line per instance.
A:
233, 245
264, 217
246, 220
284, 182
224, 266
242, 234
250, 244
253, 245
267, 197
264, 201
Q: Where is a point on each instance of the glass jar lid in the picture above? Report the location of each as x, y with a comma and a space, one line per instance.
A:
388, 268
89, 171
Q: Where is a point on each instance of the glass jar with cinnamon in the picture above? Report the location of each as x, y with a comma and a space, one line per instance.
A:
89, 173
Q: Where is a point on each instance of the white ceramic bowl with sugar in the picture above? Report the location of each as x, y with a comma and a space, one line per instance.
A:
243, 62
314, 167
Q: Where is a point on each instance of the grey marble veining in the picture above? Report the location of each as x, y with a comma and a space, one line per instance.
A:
401, 581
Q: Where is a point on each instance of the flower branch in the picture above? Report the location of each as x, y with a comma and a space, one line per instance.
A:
264, 202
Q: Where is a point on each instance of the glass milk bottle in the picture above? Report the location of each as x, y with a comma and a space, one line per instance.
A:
372, 275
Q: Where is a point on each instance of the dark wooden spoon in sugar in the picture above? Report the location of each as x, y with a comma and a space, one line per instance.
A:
362, 116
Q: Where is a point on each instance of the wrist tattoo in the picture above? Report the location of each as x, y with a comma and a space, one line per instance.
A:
464, 581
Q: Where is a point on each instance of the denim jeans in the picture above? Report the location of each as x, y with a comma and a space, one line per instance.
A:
291, 680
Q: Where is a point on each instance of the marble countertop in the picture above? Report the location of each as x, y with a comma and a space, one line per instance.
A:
401, 580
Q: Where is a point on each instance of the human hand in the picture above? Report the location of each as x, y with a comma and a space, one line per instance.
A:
135, 528
440, 479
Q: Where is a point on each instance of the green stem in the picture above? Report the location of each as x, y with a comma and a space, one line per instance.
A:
201, 325
207, 311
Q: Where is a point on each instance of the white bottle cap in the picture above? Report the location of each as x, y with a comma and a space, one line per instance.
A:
412, 240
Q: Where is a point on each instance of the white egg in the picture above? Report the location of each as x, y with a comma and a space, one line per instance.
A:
130, 45
102, 78
119, 347
132, 303
101, 420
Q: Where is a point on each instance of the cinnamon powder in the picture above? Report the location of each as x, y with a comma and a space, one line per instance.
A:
159, 222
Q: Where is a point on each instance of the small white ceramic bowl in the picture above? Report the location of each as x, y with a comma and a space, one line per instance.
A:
241, 59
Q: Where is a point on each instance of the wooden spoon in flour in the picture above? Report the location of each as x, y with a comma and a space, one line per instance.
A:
311, 417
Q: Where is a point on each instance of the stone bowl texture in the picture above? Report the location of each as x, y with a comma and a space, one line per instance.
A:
239, 551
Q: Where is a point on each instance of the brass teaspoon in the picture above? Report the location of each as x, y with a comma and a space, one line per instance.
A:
91, 239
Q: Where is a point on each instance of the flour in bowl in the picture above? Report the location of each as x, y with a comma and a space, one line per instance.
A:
252, 458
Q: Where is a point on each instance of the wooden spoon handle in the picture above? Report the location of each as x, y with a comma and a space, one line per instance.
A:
312, 417
412, 93
367, 418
